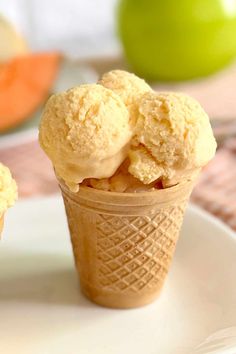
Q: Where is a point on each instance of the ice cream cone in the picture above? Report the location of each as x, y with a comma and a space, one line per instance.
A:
123, 243
1, 224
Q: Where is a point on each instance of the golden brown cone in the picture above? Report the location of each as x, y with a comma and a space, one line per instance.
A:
123, 243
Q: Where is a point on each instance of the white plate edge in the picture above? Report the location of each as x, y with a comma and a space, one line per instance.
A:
18, 138
192, 208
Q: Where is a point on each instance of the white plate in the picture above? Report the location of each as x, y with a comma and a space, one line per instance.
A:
43, 312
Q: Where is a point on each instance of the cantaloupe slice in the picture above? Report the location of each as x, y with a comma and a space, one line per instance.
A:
11, 42
24, 84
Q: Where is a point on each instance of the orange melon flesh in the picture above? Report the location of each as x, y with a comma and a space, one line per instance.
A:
24, 85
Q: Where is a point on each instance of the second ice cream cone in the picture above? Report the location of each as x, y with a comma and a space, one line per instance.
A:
123, 243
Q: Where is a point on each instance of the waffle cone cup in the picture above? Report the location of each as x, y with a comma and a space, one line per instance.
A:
123, 243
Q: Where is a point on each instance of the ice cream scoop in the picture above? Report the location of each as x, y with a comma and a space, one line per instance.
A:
128, 86
8, 189
173, 138
122, 182
85, 131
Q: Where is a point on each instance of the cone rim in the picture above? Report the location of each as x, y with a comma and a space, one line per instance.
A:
162, 197
135, 194
99, 192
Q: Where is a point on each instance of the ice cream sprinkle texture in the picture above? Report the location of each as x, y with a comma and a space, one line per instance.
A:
120, 135
8, 189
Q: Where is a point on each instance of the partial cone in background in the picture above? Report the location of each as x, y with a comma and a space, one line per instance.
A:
123, 243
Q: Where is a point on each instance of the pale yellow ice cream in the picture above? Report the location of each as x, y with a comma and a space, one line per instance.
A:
85, 131
128, 86
8, 189
90, 130
173, 138
122, 181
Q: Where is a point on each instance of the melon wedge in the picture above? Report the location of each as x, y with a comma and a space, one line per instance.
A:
25, 83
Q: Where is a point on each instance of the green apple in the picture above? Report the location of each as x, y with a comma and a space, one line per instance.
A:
177, 39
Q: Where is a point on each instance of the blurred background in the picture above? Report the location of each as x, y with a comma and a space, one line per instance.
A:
76, 28
185, 45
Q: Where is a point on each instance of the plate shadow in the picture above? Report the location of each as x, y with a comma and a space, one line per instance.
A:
40, 278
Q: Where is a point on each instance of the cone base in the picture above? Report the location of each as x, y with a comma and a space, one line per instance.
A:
117, 300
